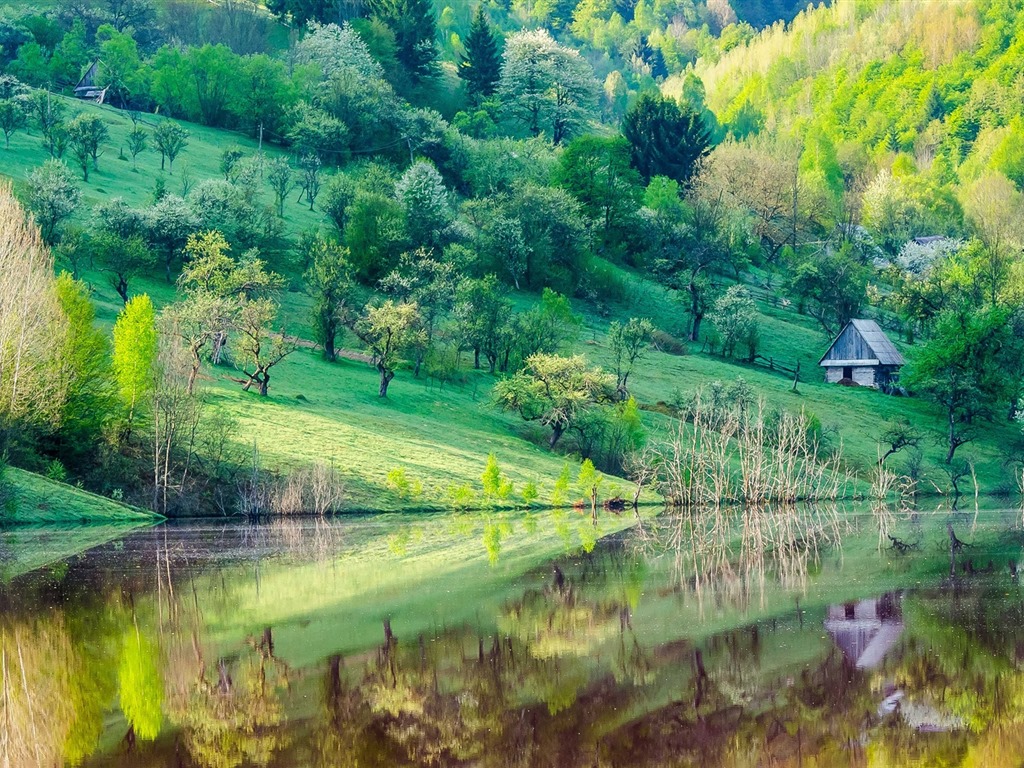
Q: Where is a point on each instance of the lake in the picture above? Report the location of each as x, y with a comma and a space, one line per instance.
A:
769, 637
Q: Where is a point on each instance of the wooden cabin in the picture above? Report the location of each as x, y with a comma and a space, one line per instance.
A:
862, 354
87, 89
866, 630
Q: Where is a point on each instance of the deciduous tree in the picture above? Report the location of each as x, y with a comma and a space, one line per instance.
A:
388, 330
555, 391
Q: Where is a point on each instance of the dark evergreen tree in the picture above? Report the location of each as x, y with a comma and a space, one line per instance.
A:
666, 139
415, 30
481, 66
645, 55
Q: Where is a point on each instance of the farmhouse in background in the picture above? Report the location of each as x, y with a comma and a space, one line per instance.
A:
87, 88
862, 354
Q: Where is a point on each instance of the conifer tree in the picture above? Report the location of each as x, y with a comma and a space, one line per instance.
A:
481, 66
415, 29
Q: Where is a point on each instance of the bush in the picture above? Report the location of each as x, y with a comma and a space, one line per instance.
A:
668, 344
403, 487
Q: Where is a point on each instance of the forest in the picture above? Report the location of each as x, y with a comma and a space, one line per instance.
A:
320, 256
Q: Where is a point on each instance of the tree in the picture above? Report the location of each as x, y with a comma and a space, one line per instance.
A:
480, 68
86, 134
898, 435
735, 317
388, 330
279, 176
961, 369
546, 87
32, 387
329, 282
12, 117
415, 30
48, 112
628, 343
171, 139
120, 70
556, 391
690, 252
482, 315
666, 139
339, 192
84, 352
310, 165
597, 172
137, 142
229, 159
53, 196
588, 481
428, 209
260, 349
167, 226
135, 353
123, 258
832, 286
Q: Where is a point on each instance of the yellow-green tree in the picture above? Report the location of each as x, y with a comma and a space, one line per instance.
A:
135, 353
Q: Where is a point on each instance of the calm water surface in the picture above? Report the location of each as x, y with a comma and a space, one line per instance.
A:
771, 638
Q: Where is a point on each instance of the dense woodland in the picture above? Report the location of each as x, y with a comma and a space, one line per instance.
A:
462, 191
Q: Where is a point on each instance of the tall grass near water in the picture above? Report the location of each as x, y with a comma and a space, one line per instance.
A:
742, 454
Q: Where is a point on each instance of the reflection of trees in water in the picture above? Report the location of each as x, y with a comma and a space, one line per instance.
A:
229, 709
727, 553
58, 674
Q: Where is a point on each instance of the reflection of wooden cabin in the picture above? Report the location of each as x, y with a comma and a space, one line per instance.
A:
862, 354
87, 89
866, 630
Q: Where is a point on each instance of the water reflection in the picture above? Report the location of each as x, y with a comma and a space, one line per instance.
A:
763, 637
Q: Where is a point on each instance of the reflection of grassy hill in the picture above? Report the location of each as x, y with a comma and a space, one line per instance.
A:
52, 522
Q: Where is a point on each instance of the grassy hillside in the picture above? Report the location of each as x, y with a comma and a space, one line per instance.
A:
39, 500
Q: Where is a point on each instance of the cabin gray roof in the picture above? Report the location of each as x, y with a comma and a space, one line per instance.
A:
882, 349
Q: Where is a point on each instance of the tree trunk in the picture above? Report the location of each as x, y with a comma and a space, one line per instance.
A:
330, 353
695, 328
476, 358
556, 433
695, 313
265, 384
122, 288
952, 439
385, 379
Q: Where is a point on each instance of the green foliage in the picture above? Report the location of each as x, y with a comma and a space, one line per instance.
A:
86, 134
399, 482
53, 197
496, 486
480, 68
140, 686
546, 87
530, 494
171, 139
735, 317
556, 391
134, 355
328, 281
597, 172
963, 369
560, 491
666, 139
389, 330
413, 25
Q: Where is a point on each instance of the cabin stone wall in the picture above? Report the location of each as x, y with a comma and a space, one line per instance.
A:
865, 375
